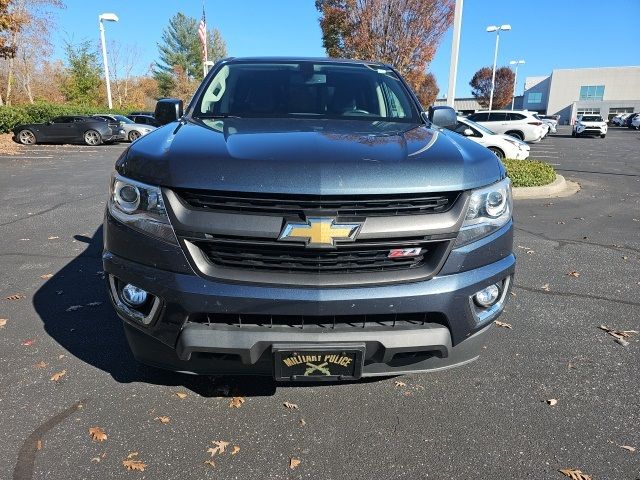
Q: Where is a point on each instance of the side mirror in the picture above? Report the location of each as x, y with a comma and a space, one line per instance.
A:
168, 110
468, 132
443, 116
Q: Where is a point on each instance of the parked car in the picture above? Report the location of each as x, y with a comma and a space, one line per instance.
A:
69, 129
628, 122
549, 120
503, 146
305, 220
592, 125
521, 124
620, 119
132, 130
144, 120
635, 123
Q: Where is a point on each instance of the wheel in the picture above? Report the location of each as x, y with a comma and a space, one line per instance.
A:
517, 135
603, 135
498, 153
26, 137
134, 135
93, 138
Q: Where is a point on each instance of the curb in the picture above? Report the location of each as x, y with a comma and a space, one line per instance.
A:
558, 188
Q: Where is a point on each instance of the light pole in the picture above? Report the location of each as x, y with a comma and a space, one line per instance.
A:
455, 45
515, 79
109, 17
490, 29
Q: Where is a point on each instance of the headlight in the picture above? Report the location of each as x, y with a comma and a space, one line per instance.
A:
489, 209
141, 207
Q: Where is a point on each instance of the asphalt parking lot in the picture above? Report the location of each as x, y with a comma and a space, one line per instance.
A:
487, 420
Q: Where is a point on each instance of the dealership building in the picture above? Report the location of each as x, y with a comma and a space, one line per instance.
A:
576, 91
572, 92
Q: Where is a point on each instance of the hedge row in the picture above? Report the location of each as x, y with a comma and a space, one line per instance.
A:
43, 112
529, 173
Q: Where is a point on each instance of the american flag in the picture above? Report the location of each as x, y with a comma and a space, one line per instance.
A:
202, 33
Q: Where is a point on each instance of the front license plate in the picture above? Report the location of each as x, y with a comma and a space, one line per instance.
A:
315, 363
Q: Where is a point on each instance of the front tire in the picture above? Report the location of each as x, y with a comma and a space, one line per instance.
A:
498, 153
26, 137
92, 138
134, 135
603, 135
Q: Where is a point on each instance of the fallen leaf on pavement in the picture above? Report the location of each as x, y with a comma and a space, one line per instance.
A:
552, 401
235, 449
95, 460
294, 463
181, 395
41, 364
290, 406
219, 447
53, 237
574, 474
210, 463
97, 434
627, 447
57, 376
3, 322
236, 402
163, 419
398, 383
39, 445
619, 335
302, 422
573, 274
46, 276
545, 287
15, 296
132, 464
29, 342
502, 324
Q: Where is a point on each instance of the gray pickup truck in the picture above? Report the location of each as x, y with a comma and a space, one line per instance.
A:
306, 219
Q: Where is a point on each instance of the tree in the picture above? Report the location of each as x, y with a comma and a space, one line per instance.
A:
83, 74
402, 33
503, 91
181, 51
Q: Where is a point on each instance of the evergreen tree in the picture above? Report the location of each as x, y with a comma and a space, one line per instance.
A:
83, 80
180, 51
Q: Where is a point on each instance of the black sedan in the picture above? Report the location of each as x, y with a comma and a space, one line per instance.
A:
68, 129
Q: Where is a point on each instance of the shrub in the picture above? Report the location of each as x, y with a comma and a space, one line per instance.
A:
42, 112
529, 173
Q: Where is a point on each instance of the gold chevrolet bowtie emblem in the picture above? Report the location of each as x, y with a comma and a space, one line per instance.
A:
319, 232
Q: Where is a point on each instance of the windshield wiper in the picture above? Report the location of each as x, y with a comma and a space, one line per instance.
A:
221, 115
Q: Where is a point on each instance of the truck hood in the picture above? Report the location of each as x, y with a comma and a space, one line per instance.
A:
322, 157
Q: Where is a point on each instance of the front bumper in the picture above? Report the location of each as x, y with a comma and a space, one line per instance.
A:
176, 340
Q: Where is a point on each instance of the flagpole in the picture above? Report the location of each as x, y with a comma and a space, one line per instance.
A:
206, 35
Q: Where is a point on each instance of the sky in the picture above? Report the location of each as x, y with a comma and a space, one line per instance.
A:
547, 34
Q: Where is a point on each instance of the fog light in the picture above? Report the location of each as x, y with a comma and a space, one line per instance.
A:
487, 296
133, 296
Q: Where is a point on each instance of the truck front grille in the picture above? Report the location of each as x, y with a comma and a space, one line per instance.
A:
393, 320
345, 205
355, 257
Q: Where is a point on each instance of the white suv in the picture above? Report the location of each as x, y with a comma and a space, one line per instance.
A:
590, 125
521, 124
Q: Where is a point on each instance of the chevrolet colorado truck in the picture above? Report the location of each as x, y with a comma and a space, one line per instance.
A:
306, 219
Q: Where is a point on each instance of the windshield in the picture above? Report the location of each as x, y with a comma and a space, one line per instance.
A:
306, 90
477, 126
123, 119
591, 118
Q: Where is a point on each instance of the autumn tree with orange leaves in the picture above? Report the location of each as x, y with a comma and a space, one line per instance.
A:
503, 91
401, 33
